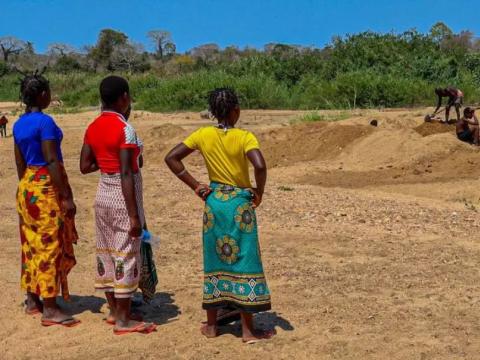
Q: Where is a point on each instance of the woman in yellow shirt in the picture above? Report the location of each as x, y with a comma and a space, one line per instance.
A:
233, 270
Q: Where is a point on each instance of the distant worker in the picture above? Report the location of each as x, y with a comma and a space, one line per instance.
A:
455, 98
3, 126
467, 127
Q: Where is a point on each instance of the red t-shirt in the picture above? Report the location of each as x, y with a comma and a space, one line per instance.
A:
106, 135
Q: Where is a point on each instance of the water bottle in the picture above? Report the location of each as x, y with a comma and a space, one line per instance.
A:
148, 238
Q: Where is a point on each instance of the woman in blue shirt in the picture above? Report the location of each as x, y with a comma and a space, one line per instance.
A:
45, 206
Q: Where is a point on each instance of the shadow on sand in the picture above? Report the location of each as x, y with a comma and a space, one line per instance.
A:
161, 310
266, 320
79, 304
270, 320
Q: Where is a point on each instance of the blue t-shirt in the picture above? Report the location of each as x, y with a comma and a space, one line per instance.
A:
30, 130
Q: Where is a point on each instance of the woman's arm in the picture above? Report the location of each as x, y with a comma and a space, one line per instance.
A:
55, 168
88, 162
439, 103
174, 162
128, 190
20, 162
256, 158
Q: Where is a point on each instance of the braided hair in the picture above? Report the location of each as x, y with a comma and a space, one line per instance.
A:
221, 102
31, 86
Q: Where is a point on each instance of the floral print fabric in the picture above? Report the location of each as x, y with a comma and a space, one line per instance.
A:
46, 237
233, 267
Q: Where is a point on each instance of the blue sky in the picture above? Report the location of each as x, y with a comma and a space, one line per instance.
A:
227, 22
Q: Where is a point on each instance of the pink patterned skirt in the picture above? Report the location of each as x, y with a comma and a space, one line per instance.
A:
118, 254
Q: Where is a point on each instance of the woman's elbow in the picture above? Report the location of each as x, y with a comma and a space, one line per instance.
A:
261, 168
85, 166
170, 159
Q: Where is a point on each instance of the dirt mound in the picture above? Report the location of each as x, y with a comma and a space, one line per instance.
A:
400, 157
160, 139
356, 156
308, 142
460, 165
166, 131
432, 128
159, 136
395, 147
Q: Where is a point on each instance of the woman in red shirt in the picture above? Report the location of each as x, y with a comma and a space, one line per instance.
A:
111, 145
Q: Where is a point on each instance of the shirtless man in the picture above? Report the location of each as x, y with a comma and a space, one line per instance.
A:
467, 127
3, 126
455, 98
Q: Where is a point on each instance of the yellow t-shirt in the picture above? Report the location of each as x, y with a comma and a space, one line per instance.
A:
225, 153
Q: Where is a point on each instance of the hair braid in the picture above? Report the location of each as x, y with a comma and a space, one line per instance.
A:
221, 102
31, 86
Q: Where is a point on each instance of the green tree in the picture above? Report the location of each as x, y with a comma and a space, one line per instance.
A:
10, 45
102, 52
163, 43
440, 32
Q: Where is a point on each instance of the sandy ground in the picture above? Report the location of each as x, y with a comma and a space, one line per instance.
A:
369, 239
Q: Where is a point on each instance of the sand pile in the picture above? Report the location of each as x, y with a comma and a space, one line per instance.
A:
354, 155
306, 142
432, 128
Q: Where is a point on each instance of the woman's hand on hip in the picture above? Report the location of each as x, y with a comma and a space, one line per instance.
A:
257, 198
203, 190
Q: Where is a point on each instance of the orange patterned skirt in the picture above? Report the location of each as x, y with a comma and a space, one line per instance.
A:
47, 237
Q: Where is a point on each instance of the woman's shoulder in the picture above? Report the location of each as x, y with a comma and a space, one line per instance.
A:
40, 117
206, 129
203, 131
245, 133
34, 119
47, 121
47, 117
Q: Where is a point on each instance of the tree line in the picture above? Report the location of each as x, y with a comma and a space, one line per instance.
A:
367, 69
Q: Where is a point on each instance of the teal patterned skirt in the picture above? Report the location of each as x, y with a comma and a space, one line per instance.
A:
233, 268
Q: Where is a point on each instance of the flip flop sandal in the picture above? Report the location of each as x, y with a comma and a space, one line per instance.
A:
34, 311
109, 321
143, 328
67, 322
150, 329
266, 336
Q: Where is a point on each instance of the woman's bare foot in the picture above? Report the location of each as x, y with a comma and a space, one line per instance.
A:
52, 312
111, 319
209, 331
133, 326
257, 335
55, 315
250, 334
33, 305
